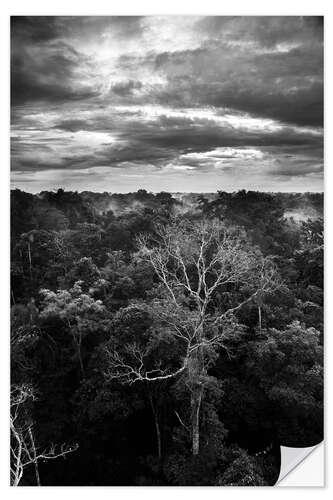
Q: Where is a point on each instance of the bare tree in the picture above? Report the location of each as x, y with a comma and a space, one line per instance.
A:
207, 273
23, 449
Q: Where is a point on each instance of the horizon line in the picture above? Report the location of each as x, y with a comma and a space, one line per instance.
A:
14, 188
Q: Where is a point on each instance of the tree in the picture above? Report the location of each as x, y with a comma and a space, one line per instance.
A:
260, 214
78, 311
207, 273
286, 366
242, 471
310, 257
85, 271
23, 449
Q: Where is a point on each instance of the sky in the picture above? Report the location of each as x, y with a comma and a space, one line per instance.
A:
167, 103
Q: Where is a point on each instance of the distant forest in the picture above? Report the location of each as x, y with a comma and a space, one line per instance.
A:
164, 339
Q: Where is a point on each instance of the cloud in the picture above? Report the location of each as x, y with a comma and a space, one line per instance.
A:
126, 88
176, 96
197, 139
44, 67
284, 86
263, 31
34, 29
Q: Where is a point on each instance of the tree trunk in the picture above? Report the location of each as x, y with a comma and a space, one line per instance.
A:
30, 262
196, 398
17, 469
158, 437
157, 426
35, 460
259, 317
37, 473
197, 390
77, 339
80, 360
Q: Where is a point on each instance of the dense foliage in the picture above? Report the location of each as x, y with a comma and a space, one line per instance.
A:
100, 318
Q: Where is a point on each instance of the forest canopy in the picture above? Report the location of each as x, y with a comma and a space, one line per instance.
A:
164, 339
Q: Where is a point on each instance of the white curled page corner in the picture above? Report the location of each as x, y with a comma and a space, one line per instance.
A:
300, 469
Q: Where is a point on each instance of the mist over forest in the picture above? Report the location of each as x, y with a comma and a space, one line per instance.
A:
164, 339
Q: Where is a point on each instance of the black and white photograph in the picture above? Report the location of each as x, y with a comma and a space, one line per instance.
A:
166, 248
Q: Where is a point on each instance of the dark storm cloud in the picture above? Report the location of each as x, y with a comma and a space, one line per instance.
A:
205, 138
226, 70
126, 88
36, 29
183, 133
72, 125
44, 28
268, 66
43, 66
46, 80
266, 31
46, 75
193, 94
156, 141
92, 27
301, 106
283, 86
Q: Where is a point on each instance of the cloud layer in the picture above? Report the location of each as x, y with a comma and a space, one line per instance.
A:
167, 103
